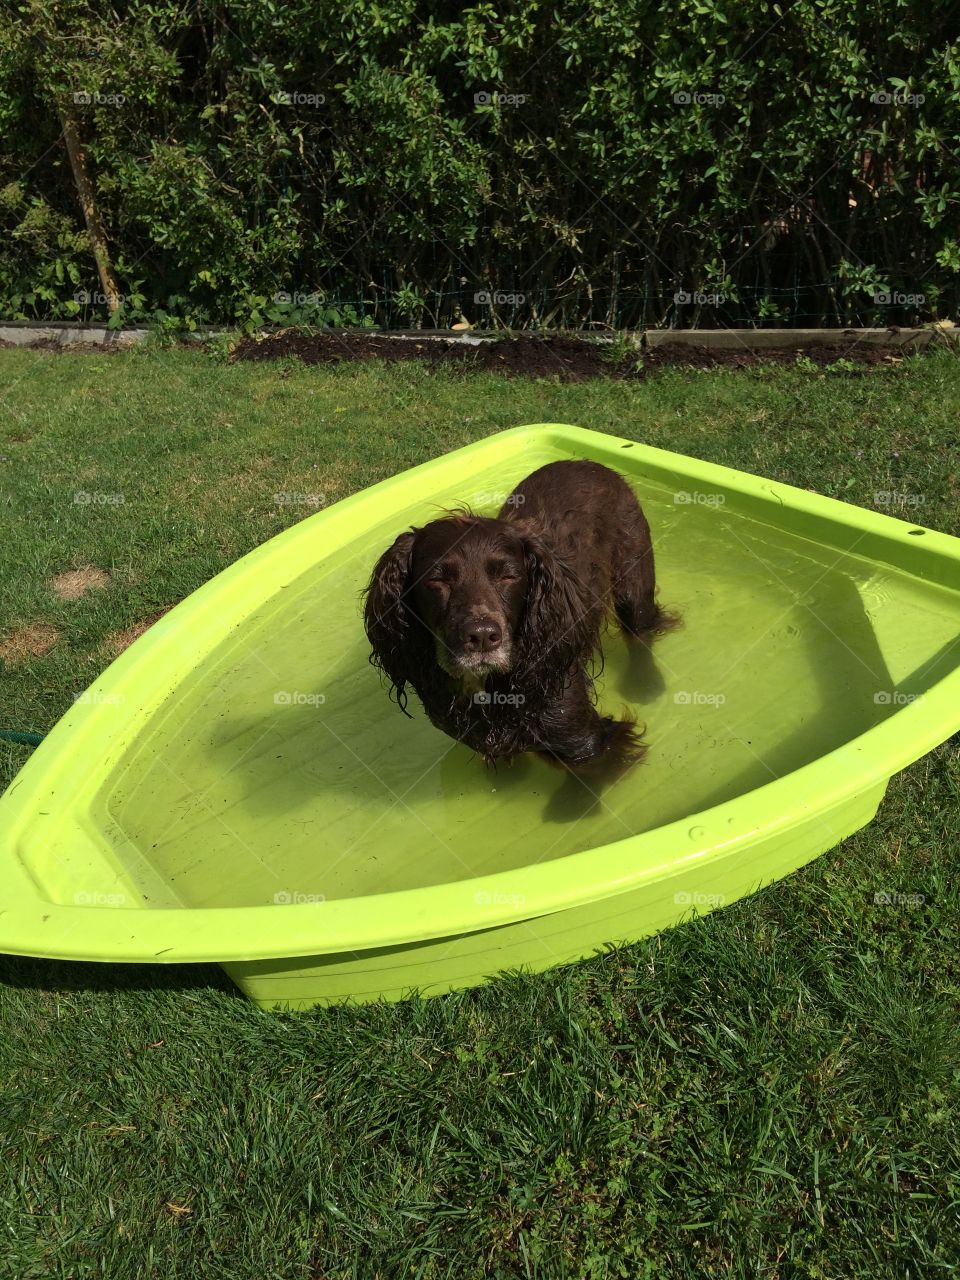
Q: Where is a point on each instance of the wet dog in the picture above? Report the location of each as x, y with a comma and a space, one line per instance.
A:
494, 622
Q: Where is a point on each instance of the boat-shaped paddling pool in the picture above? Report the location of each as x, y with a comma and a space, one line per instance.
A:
237, 787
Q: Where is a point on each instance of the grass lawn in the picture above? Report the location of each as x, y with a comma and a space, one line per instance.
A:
771, 1091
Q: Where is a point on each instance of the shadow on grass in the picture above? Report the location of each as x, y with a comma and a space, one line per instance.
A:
28, 973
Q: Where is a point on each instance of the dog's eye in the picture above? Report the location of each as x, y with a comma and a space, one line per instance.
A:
504, 572
434, 578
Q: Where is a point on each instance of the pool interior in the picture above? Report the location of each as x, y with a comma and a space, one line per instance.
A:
280, 771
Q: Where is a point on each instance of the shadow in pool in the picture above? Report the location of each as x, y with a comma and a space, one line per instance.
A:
282, 760
854, 691
851, 680
359, 740
641, 679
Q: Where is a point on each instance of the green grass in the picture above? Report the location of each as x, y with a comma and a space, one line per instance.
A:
771, 1091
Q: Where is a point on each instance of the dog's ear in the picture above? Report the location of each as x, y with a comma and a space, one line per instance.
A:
554, 632
387, 620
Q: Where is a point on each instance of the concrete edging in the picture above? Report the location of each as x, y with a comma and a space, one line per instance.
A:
68, 333
789, 339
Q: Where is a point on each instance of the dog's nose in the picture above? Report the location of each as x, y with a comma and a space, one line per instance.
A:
482, 635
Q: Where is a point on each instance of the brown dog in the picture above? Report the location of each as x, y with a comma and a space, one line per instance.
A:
493, 622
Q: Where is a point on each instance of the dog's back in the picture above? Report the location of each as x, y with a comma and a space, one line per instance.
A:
591, 518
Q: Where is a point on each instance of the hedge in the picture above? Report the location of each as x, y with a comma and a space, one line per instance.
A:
590, 164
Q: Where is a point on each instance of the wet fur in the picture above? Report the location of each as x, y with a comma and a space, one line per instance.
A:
585, 549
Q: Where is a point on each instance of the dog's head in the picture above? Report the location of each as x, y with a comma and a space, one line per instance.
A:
473, 597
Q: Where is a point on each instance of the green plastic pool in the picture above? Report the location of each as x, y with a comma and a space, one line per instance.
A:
237, 787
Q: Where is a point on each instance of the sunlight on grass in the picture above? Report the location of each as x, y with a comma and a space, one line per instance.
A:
785, 1070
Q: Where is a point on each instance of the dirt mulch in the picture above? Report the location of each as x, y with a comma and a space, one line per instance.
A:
677, 356
568, 359
564, 358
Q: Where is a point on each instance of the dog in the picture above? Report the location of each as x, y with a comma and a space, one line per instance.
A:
494, 622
